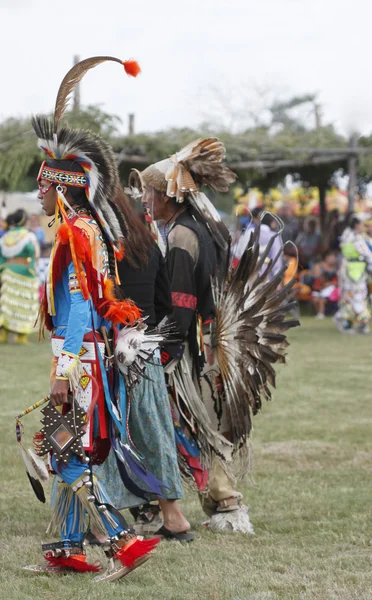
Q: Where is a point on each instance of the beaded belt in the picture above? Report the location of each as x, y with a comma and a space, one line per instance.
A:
87, 352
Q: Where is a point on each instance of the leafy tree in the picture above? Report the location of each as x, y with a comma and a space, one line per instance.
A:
278, 134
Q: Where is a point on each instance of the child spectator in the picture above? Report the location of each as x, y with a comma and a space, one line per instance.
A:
324, 283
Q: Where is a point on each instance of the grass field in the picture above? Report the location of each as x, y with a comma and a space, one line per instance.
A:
311, 505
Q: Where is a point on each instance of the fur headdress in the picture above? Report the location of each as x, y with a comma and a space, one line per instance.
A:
96, 169
197, 164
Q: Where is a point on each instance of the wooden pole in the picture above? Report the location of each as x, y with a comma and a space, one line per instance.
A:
76, 98
318, 116
322, 208
131, 124
352, 170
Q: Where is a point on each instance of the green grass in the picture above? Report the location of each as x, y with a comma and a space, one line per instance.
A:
311, 505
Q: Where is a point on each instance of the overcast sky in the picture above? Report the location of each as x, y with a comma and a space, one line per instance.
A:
302, 46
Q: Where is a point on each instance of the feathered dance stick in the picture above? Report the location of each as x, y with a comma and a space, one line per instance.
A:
35, 467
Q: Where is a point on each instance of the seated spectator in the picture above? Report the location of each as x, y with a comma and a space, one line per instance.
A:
290, 259
324, 284
290, 222
308, 243
291, 262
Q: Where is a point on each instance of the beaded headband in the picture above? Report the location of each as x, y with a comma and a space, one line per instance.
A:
69, 178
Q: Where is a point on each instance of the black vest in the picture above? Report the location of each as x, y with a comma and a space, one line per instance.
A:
206, 267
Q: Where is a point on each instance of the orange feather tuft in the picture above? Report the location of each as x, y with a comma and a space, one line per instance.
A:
132, 68
125, 312
120, 252
63, 234
109, 293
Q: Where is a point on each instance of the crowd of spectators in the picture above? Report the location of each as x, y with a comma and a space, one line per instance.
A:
312, 258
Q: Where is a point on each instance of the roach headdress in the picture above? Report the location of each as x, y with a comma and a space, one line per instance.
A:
91, 163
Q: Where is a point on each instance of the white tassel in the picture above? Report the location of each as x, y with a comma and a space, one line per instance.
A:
35, 466
39, 466
74, 375
28, 464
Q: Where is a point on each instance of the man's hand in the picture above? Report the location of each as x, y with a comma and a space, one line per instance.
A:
59, 393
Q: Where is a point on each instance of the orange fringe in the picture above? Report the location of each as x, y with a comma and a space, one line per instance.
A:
78, 253
119, 311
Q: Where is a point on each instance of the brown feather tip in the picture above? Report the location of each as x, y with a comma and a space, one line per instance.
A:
132, 68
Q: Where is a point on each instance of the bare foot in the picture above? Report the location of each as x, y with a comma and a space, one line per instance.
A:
179, 525
173, 519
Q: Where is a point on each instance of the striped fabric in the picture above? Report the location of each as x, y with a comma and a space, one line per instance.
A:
19, 301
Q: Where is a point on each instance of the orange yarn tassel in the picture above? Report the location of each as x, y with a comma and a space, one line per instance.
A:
76, 255
132, 68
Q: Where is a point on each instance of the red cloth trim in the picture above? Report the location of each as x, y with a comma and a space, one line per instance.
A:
184, 300
101, 447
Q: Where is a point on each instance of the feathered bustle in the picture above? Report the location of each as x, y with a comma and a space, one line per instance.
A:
250, 332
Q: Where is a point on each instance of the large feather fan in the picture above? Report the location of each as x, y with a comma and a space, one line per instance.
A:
251, 332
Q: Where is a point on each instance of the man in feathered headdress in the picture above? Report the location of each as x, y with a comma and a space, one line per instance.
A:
77, 184
227, 349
